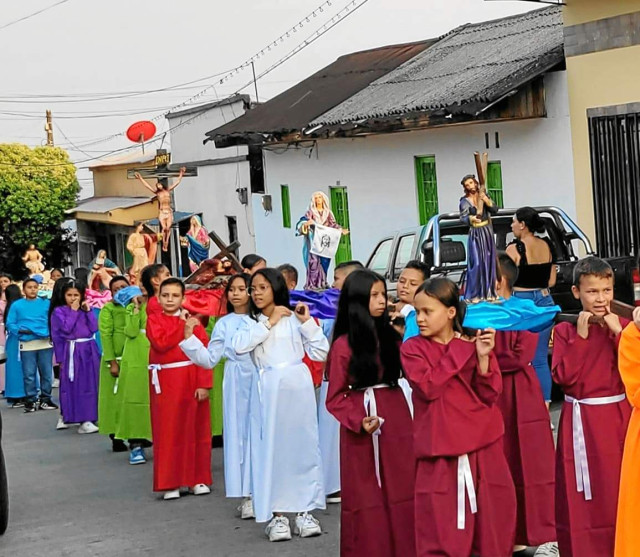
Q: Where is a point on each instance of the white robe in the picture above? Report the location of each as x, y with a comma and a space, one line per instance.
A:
239, 375
286, 466
329, 433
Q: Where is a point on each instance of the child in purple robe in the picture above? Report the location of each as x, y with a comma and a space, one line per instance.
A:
73, 326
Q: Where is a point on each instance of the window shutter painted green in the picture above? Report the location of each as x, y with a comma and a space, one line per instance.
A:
286, 206
494, 183
427, 188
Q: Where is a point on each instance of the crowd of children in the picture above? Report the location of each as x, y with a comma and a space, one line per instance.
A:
435, 438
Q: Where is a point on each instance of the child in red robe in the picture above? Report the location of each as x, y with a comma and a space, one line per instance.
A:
465, 502
528, 441
180, 416
594, 417
377, 463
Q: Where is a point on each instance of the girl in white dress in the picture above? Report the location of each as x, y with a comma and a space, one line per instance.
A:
239, 374
286, 467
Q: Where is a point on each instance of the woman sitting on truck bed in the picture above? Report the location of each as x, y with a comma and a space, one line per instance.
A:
536, 274
476, 208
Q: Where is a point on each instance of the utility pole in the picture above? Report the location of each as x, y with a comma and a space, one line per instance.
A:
255, 81
48, 127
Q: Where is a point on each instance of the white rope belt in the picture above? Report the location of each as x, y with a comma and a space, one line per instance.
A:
579, 446
155, 368
115, 385
465, 484
72, 351
261, 372
371, 408
143, 331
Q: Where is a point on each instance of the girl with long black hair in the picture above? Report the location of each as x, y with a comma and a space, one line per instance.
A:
14, 380
286, 466
376, 444
239, 374
465, 502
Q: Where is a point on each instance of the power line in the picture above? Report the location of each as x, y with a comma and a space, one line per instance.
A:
24, 18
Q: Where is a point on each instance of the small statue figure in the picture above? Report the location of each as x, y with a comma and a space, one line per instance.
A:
33, 260
162, 191
143, 249
318, 215
476, 208
197, 243
101, 271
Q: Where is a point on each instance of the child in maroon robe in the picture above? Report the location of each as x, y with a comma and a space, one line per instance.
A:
528, 441
465, 502
377, 464
180, 416
594, 417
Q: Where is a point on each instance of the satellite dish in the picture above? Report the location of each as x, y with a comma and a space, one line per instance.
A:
141, 131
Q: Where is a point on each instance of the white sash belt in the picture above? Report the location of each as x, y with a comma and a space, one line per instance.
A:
155, 368
143, 331
465, 484
371, 408
115, 385
261, 372
72, 350
579, 446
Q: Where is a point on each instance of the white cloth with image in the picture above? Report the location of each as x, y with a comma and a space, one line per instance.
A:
325, 241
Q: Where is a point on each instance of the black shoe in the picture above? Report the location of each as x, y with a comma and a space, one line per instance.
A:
47, 405
18, 404
29, 407
119, 446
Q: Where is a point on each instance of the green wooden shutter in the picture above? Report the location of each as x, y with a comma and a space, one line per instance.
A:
427, 188
494, 183
286, 206
340, 208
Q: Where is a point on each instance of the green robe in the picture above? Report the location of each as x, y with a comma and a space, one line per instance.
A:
134, 416
111, 327
215, 394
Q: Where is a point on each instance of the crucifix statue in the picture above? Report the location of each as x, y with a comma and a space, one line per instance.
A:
162, 190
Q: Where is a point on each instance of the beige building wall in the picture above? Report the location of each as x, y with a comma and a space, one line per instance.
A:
112, 181
603, 78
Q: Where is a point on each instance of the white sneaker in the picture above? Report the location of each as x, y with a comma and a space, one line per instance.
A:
200, 489
87, 427
169, 495
278, 529
246, 509
307, 526
549, 549
61, 424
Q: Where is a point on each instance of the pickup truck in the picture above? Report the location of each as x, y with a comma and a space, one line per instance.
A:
442, 245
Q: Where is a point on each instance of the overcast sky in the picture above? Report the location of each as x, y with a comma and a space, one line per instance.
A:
94, 47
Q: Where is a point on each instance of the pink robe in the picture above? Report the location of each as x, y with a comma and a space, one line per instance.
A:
375, 520
588, 368
455, 414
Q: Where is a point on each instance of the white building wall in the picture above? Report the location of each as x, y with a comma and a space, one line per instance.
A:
213, 191
378, 172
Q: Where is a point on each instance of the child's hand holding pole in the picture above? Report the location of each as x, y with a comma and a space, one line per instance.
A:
202, 395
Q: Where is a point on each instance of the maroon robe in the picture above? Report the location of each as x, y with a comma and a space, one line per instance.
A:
528, 441
588, 368
180, 424
375, 521
455, 413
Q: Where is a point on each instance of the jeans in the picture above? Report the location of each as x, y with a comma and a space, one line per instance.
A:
541, 359
34, 361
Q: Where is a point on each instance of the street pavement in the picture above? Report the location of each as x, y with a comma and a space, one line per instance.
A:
71, 496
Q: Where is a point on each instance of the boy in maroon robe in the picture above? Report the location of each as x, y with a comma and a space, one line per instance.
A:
465, 501
528, 441
180, 416
594, 417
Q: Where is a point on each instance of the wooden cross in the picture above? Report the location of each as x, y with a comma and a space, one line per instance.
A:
226, 251
163, 169
482, 162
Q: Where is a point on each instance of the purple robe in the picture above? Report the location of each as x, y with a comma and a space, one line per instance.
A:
78, 398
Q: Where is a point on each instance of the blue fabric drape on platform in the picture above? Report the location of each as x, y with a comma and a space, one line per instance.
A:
514, 314
323, 305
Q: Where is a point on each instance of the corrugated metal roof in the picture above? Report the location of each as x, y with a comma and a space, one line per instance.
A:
295, 108
476, 63
106, 204
246, 99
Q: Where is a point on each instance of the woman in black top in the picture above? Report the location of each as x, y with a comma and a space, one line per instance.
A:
536, 274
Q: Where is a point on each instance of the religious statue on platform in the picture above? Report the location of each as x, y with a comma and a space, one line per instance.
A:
321, 239
162, 190
33, 260
197, 242
476, 208
101, 271
142, 247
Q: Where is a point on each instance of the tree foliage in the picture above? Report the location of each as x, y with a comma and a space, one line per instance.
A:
37, 186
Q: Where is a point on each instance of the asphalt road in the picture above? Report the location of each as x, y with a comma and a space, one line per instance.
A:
71, 496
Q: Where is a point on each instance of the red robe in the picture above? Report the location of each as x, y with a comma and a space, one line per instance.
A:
588, 368
375, 521
180, 424
455, 413
528, 441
